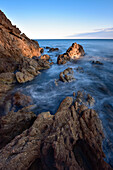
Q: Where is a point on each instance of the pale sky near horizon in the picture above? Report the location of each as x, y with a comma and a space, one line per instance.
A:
57, 19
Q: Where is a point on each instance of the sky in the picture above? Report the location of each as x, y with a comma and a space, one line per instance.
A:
61, 19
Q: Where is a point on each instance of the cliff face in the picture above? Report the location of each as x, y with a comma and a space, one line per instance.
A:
14, 45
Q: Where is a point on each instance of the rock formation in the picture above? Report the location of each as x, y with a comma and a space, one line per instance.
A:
14, 45
70, 139
74, 52
67, 75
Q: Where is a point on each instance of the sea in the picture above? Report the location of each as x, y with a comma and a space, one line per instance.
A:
97, 80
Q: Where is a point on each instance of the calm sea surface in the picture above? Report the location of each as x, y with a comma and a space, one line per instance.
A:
96, 80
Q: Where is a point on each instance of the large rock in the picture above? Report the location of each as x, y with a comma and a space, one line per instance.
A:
70, 139
74, 52
14, 123
14, 45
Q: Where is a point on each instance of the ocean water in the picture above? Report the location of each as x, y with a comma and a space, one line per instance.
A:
96, 80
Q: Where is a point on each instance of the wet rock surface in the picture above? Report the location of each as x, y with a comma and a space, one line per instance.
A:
74, 52
67, 75
70, 139
97, 62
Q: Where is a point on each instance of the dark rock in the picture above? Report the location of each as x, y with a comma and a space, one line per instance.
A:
97, 62
15, 123
41, 50
80, 69
53, 49
74, 52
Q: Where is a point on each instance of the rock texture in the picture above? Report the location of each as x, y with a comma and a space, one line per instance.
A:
67, 75
14, 123
74, 52
70, 139
14, 45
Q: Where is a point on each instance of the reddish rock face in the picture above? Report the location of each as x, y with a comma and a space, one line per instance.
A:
74, 52
14, 45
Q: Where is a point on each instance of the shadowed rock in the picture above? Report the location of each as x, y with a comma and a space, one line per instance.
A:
70, 139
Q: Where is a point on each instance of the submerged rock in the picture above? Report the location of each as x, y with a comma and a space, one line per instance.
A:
70, 139
53, 49
74, 52
97, 62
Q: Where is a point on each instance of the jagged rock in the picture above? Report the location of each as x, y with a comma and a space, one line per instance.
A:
97, 62
41, 50
74, 52
20, 99
14, 45
45, 57
67, 75
14, 123
70, 139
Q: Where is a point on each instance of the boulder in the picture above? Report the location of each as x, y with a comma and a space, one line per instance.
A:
74, 52
77, 132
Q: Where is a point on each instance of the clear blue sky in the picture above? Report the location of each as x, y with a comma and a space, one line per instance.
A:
61, 18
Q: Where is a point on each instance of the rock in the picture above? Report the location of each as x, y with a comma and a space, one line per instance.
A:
67, 75
47, 47
63, 58
14, 45
14, 123
90, 100
45, 57
97, 62
7, 81
7, 78
53, 49
41, 50
74, 52
20, 99
77, 133
23, 77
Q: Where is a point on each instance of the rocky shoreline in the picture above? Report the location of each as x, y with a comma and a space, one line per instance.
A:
70, 139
